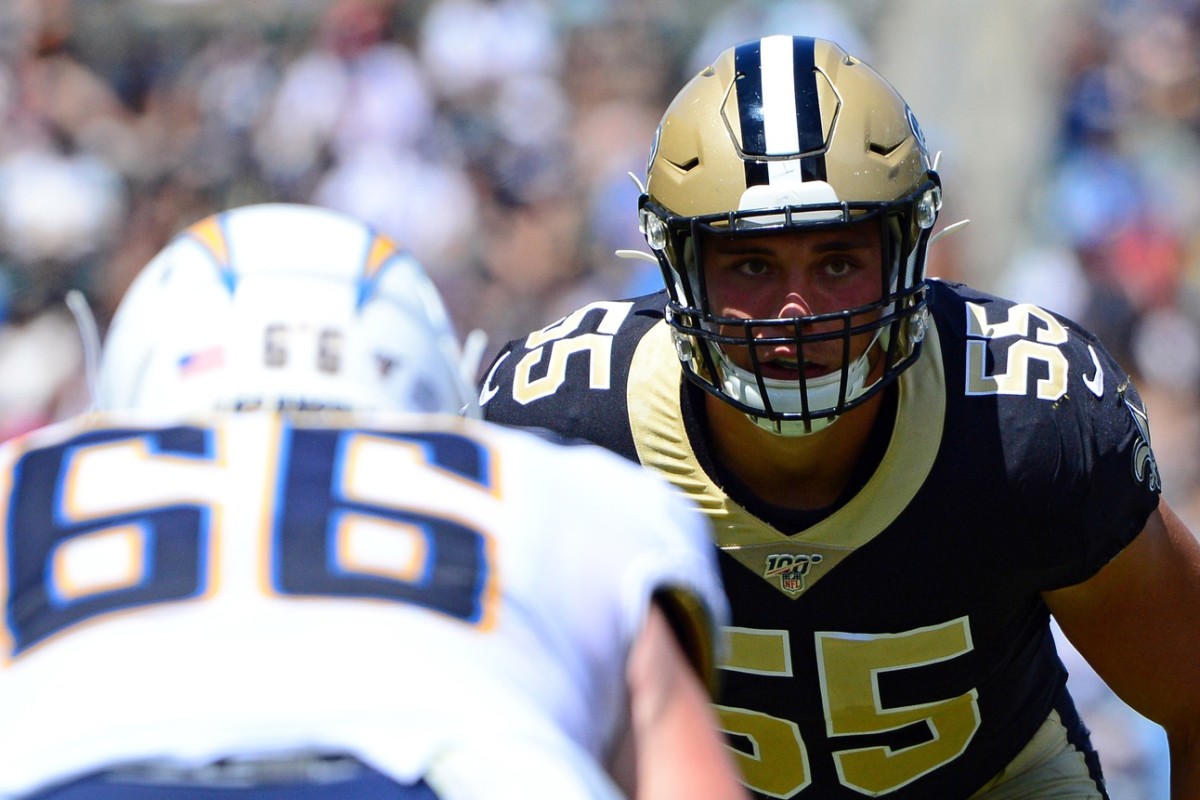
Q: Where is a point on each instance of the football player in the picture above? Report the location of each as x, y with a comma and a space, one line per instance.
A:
309, 594
907, 477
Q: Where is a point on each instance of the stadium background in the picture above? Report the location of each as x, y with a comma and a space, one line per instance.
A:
495, 138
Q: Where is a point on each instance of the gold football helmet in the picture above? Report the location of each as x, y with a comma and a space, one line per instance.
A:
788, 134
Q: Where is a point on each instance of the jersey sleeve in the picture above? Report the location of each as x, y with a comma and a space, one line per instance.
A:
571, 377
682, 576
1074, 471
1106, 482
647, 541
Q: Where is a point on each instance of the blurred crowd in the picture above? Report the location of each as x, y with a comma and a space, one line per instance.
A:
494, 138
497, 139
1117, 218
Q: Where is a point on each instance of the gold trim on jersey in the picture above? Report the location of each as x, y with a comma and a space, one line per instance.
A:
792, 563
1048, 766
693, 628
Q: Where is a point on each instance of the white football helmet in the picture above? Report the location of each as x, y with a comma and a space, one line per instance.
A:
287, 307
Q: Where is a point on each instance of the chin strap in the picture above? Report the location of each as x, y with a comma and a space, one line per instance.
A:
89, 337
473, 349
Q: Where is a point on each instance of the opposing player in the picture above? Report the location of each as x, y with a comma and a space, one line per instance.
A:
907, 477
307, 594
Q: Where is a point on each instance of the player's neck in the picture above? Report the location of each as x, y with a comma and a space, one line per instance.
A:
798, 472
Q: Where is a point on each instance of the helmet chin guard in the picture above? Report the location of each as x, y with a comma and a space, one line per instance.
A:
782, 136
819, 392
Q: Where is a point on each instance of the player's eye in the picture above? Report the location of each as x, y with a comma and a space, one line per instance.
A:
838, 268
752, 267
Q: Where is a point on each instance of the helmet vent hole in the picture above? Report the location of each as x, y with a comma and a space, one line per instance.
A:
884, 150
686, 166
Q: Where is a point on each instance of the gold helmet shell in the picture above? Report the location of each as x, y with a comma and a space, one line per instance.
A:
778, 106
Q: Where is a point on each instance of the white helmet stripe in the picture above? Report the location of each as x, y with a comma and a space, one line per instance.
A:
779, 110
779, 100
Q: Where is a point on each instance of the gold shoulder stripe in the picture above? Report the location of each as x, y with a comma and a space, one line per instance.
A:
656, 423
693, 628
790, 563
915, 442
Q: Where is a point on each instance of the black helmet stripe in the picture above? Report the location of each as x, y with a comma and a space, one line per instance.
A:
782, 115
747, 63
808, 109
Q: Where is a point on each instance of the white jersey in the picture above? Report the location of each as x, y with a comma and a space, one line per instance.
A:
440, 597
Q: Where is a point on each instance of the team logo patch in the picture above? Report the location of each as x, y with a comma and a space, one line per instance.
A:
916, 126
790, 569
1145, 468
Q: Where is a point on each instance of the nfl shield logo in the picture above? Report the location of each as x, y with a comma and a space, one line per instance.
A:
790, 569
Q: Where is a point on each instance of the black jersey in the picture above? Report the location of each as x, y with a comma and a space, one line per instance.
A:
899, 646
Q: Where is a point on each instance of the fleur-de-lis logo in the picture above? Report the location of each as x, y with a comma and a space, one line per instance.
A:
1145, 468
